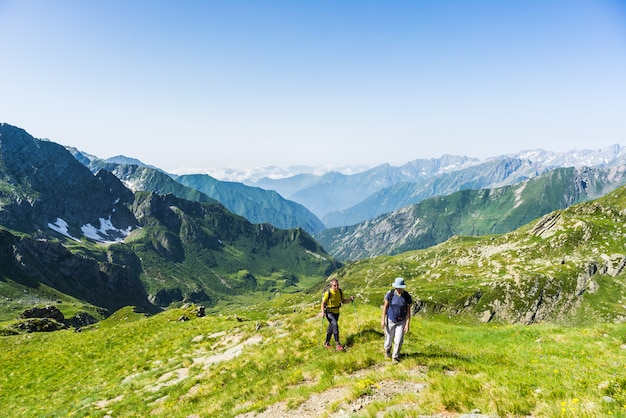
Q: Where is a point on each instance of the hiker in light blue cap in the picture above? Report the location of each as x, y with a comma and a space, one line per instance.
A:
396, 318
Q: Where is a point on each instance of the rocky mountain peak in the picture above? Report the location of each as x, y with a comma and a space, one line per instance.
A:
46, 190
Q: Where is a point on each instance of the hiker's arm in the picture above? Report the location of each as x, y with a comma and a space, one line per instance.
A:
323, 306
408, 319
383, 320
346, 300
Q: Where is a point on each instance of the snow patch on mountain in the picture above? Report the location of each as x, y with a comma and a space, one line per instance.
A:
106, 233
518, 194
133, 185
574, 158
62, 228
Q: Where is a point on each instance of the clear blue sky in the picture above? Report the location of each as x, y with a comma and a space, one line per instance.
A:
196, 84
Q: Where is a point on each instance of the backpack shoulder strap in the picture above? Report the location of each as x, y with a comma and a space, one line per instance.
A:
407, 298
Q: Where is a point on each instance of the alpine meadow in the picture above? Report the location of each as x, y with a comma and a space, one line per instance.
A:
129, 292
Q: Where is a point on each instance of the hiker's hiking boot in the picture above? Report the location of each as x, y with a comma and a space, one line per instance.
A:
339, 347
327, 345
388, 354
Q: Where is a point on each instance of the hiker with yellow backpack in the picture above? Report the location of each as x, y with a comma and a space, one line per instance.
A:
331, 302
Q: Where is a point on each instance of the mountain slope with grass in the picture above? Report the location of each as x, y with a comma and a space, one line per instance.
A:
182, 251
203, 253
470, 212
142, 178
528, 323
565, 267
253, 203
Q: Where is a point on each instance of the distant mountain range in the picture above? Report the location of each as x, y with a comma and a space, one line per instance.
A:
333, 199
469, 212
341, 200
253, 175
249, 175
379, 215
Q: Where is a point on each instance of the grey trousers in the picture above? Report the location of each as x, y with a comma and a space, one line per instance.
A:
394, 337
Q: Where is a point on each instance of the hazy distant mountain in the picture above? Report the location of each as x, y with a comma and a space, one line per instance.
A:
250, 175
347, 198
138, 176
603, 157
470, 212
334, 191
94, 162
493, 173
341, 200
143, 178
253, 203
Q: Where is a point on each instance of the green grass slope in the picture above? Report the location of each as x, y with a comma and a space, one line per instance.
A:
235, 366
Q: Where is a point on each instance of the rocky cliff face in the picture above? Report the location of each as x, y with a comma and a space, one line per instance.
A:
529, 300
43, 185
32, 262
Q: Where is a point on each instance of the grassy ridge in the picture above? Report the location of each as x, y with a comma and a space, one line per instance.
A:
567, 267
130, 365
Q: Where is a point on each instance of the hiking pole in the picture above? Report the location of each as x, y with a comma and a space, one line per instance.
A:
357, 318
322, 329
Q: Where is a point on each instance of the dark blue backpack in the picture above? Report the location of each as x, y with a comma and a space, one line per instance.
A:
407, 299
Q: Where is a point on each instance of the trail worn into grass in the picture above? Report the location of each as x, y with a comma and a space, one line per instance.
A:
228, 354
335, 402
